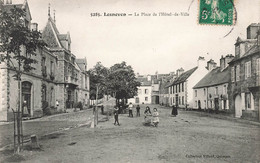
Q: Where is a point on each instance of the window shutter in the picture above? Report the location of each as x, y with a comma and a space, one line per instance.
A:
232, 74
249, 69
238, 72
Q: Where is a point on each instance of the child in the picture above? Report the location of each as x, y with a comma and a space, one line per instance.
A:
155, 117
116, 115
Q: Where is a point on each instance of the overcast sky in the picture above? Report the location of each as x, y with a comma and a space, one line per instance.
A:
148, 44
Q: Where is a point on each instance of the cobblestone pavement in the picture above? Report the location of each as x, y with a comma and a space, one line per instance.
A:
44, 125
189, 137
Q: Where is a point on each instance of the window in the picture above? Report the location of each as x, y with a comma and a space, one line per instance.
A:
176, 88
52, 68
44, 69
146, 98
182, 100
237, 78
224, 89
195, 93
232, 74
237, 51
248, 100
139, 91
216, 90
204, 91
247, 69
146, 91
173, 89
44, 91
179, 87
258, 67
196, 104
182, 87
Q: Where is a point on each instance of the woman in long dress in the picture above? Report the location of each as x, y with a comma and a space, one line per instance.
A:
174, 111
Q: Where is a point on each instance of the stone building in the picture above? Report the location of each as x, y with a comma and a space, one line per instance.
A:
52, 83
72, 79
211, 92
245, 75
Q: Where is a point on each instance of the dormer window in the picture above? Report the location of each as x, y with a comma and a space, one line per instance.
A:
237, 50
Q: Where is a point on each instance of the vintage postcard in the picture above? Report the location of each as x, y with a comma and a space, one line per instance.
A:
129, 81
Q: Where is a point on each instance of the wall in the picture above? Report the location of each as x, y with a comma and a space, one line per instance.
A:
142, 95
206, 100
192, 81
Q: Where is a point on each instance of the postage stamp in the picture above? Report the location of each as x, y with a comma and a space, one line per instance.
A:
216, 12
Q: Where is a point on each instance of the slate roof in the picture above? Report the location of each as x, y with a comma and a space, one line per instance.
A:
183, 77
81, 60
144, 81
214, 77
62, 36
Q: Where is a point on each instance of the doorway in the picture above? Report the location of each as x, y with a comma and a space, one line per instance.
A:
216, 104
26, 97
238, 106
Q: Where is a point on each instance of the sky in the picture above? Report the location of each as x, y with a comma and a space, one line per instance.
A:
147, 43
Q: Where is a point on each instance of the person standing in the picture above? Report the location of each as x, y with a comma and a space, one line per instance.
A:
138, 111
116, 115
130, 109
102, 109
174, 110
155, 117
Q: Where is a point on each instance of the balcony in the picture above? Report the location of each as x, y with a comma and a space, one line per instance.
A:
70, 80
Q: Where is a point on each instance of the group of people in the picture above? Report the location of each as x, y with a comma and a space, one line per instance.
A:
149, 117
147, 114
131, 107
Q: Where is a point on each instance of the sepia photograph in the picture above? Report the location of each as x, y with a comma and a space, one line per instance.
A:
129, 81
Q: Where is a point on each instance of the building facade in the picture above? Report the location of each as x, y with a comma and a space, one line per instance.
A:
245, 75
180, 90
212, 91
52, 83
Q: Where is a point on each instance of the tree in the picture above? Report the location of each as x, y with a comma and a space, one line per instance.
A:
18, 45
121, 81
98, 76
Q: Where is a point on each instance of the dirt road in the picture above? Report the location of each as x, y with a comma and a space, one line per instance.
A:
189, 137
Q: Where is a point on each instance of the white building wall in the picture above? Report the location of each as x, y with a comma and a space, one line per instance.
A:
142, 95
195, 77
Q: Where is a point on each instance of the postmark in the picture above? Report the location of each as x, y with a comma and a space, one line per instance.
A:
216, 12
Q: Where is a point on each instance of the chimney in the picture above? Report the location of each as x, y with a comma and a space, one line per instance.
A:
34, 27
180, 71
149, 77
211, 65
201, 62
228, 59
225, 60
222, 63
252, 30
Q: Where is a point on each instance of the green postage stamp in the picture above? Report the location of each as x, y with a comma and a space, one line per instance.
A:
216, 12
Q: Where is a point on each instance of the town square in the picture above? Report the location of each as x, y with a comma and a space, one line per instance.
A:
129, 81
